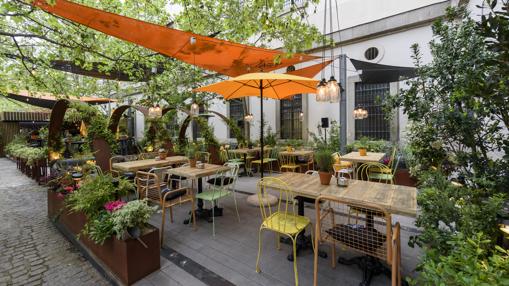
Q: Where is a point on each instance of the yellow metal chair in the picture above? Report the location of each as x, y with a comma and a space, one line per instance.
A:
266, 160
283, 219
378, 172
287, 162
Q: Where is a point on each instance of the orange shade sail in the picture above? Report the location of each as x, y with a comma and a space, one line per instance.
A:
217, 55
275, 86
310, 71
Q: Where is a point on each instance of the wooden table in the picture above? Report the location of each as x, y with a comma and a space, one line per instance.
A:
355, 158
198, 174
298, 153
133, 166
396, 199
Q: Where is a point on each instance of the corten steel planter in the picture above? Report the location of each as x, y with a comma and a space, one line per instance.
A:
214, 154
404, 178
128, 260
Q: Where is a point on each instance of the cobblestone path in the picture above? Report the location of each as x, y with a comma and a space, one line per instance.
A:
32, 251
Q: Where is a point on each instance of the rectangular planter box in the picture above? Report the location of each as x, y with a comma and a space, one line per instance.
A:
128, 260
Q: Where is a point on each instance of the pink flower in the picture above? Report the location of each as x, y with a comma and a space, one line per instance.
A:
60, 196
114, 205
68, 189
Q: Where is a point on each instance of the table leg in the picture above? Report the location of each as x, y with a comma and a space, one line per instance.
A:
203, 213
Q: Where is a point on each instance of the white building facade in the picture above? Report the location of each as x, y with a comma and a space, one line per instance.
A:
375, 31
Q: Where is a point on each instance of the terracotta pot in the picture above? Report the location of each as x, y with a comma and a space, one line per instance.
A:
192, 163
325, 177
363, 152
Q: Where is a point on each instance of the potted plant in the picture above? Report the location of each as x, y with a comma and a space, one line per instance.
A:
162, 154
363, 146
192, 154
324, 161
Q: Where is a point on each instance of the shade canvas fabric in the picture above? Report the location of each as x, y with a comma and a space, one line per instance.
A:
213, 54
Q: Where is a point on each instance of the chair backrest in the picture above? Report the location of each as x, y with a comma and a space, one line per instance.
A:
149, 186
233, 173
204, 157
232, 155
223, 155
395, 166
392, 158
130, 158
364, 170
161, 173
116, 159
148, 155
274, 153
286, 206
312, 173
364, 228
286, 159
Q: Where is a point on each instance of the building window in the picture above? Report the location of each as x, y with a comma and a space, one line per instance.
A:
291, 126
237, 114
370, 97
371, 53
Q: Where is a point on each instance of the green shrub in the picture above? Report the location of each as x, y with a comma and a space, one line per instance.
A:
470, 262
133, 214
324, 160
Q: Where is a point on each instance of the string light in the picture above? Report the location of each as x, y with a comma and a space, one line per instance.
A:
155, 111
249, 117
195, 109
360, 113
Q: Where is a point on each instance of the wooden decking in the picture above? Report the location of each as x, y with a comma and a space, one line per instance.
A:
231, 255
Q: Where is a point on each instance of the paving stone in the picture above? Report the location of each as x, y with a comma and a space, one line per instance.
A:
33, 250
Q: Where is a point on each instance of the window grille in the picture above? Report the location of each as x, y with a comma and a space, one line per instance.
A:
237, 115
291, 125
370, 97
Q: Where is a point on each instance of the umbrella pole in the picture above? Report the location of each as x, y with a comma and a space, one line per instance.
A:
266, 198
261, 127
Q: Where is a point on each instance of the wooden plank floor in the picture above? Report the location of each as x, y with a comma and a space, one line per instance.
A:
231, 254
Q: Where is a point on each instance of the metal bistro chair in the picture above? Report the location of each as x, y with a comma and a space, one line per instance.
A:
287, 162
266, 160
342, 168
121, 159
148, 155
283, 220
309, 164
374, 237
378, 172
220, 186
152, 188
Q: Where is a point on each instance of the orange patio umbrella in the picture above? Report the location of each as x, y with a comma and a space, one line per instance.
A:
264, 85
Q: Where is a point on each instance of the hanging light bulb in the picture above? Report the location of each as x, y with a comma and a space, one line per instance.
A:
155, 111
195, 109
301, 116
321, 91
360, 113
249, 117
333, 89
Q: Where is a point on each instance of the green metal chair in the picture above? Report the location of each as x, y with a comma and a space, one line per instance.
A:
220, 186
380, 172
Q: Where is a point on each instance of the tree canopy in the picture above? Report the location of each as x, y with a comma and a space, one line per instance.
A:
35, 46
